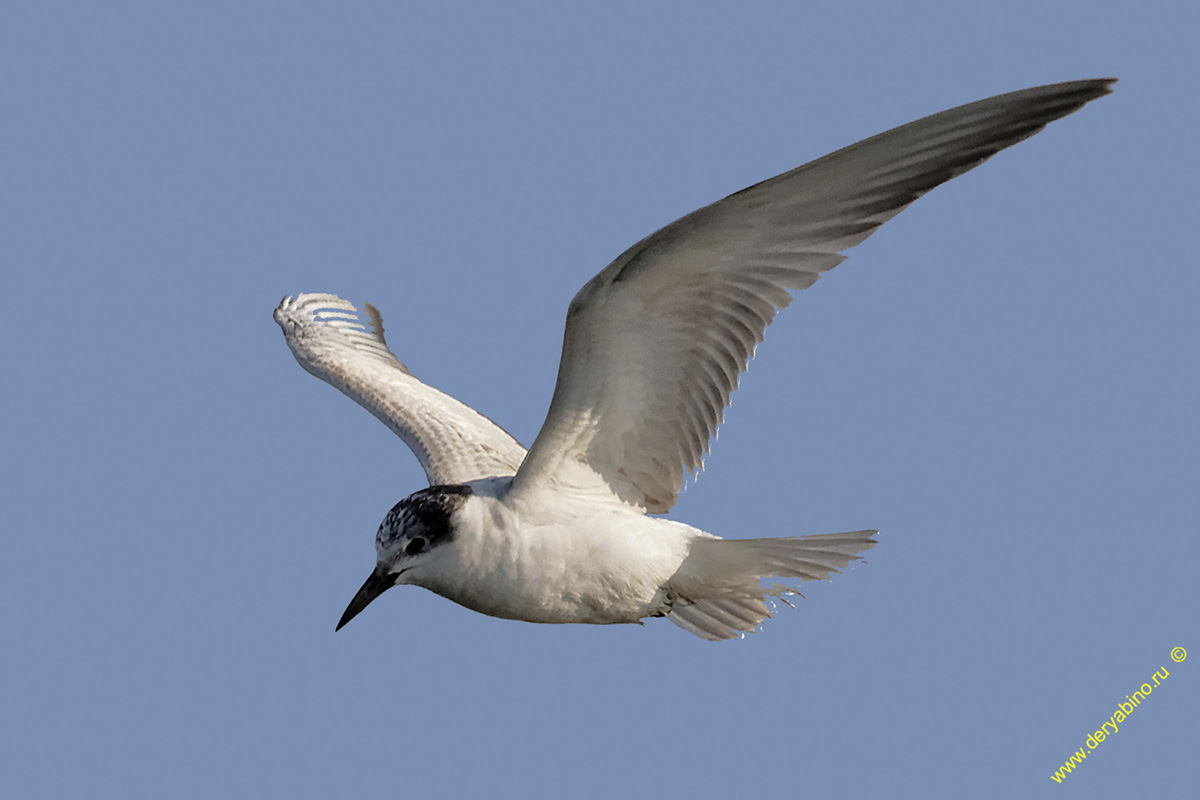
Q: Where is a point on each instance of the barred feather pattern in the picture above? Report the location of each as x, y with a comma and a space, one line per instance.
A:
453, 442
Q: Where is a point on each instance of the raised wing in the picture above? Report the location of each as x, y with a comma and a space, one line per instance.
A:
654, 344
453, 442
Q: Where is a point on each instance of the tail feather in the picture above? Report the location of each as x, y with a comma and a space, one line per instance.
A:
718, 589
720, 618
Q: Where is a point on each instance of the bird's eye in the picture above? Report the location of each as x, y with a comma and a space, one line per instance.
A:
415, 546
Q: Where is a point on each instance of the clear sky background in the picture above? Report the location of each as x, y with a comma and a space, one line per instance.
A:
1003, 380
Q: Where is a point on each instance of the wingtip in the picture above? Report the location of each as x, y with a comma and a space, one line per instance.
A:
1091, 88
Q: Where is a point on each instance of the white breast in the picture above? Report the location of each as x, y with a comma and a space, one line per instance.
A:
598, 564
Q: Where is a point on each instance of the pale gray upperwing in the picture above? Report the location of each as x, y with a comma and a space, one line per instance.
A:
655, 343
453, 442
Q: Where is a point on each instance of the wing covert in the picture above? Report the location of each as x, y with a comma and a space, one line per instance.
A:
453, 442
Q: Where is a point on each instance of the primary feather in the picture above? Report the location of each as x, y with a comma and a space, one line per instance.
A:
654, 344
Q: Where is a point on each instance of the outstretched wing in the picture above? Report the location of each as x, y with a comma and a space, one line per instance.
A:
453, 442
654, 344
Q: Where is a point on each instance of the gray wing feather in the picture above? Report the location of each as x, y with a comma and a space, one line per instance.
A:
655, 343
453, 442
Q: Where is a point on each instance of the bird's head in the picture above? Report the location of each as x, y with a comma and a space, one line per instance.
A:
413, 537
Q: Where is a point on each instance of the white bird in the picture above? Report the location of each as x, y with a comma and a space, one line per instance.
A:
653, 348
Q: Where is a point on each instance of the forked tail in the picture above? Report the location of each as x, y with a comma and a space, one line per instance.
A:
718, 590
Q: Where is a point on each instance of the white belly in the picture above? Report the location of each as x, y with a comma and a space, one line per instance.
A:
602, 567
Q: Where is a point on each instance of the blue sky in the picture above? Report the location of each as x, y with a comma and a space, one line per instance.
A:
1003, 380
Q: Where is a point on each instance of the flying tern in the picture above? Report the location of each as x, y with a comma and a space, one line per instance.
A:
654, 345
